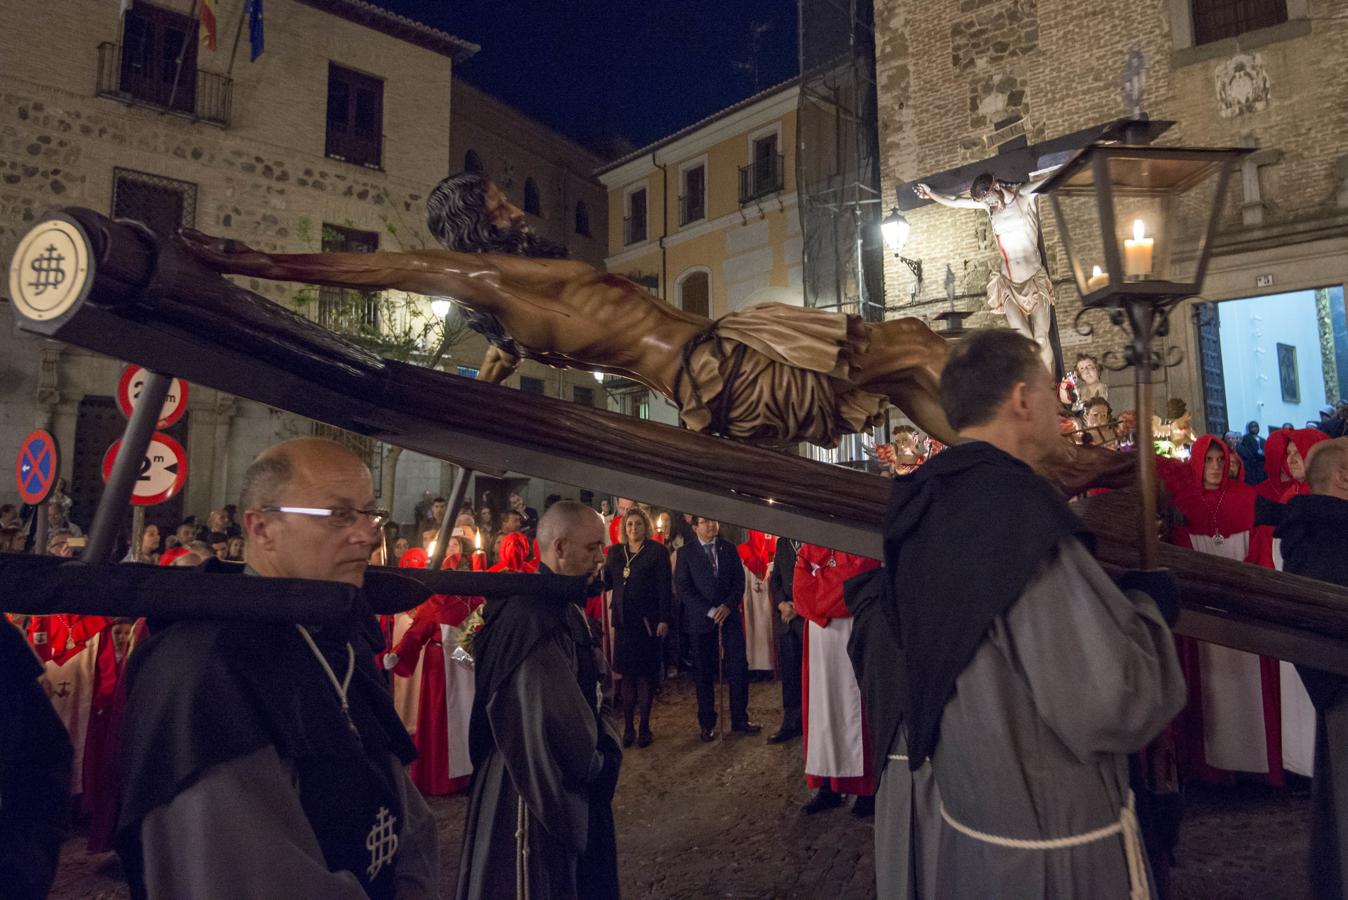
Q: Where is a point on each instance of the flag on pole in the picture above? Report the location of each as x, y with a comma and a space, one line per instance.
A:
255, 29
208, 24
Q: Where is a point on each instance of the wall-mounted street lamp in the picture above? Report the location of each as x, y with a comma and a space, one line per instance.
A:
895, 230
1137, 222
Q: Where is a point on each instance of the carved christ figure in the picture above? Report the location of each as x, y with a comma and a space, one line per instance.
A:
771, 373
1020, 288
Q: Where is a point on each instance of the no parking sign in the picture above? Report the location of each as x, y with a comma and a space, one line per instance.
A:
35, 471
163, 471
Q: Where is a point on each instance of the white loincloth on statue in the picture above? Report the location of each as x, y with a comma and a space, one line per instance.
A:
833, 745
72, 696
757, 621
1298, 713
406, 691
460, 686
1232, 688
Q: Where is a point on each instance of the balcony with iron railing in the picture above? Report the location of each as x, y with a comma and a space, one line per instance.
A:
192, 93
692, 208
634, 230
761, 178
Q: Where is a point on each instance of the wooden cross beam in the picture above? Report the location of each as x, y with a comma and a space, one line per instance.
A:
113, 290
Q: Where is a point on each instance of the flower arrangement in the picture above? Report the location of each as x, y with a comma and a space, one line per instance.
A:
469, 628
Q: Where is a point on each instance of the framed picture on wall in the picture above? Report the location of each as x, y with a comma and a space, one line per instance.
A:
1288, 377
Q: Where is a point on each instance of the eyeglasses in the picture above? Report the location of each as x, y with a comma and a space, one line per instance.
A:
337, 516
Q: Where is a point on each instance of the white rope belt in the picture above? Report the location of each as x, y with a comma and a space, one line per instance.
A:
898, 757
1138, 887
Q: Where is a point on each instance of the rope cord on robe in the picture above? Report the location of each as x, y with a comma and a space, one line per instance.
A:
1127, 825
522, 851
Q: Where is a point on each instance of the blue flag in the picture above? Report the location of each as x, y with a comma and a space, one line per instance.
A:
255, 28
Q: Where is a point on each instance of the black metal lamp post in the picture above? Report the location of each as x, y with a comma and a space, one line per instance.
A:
1137, 222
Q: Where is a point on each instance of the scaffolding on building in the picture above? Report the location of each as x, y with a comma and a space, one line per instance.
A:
838, 171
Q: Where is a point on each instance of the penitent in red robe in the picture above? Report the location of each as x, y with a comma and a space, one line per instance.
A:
102, 786
442, 765
837, 751
1295, 717
1232, 720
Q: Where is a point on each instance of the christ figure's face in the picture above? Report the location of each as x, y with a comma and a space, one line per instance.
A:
504, 215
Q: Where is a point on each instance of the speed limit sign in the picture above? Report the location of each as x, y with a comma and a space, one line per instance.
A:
163, 471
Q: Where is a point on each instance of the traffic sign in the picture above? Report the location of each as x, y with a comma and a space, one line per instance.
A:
36, 468
162, 472
133, 382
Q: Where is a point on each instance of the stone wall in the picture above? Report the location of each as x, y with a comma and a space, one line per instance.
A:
949, 70
263, 179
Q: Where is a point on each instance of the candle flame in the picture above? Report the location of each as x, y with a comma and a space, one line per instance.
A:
1095, 272
1138, 231
477, 541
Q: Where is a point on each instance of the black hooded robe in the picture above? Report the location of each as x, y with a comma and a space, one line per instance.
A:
1314, 533
545, 759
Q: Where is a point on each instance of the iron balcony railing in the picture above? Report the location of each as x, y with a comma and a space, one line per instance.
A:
762, 177
692, 208
193, 93
634, 230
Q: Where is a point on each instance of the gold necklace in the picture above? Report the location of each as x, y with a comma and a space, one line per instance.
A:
627, 561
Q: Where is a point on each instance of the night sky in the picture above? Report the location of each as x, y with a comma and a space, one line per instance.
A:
601, 71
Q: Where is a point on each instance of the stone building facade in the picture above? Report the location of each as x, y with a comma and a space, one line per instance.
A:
950, 72
707, 218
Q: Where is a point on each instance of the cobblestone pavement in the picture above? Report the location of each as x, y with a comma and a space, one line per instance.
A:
722, 820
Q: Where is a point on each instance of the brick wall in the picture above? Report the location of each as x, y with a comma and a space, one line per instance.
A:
949, 69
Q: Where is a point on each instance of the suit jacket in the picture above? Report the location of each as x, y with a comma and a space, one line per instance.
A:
701, 590
781, 586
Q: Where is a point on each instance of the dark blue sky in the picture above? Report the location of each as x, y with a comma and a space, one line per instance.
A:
598, 69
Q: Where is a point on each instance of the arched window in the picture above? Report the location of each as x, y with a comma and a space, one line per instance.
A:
695, 293
582, 219
472, 162
532, 204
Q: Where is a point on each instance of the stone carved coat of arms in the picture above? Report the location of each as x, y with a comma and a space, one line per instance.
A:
1242, 85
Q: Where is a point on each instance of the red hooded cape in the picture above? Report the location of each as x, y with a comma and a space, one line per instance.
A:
1225, 511
757, 553
818, 581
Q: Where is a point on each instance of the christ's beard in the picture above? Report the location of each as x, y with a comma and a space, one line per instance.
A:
525, 243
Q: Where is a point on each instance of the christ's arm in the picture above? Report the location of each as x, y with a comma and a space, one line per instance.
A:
474, 279
954, 201
497, 365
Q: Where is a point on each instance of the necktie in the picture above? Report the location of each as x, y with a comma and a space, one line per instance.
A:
711, 554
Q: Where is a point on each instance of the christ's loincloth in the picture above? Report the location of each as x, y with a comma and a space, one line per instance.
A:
1028, 295
775, 372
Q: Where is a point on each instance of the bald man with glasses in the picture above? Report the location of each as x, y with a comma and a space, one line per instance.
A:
268, 760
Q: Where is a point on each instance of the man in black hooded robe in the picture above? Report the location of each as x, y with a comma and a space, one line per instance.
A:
1028, 676
545, 752
1314, 533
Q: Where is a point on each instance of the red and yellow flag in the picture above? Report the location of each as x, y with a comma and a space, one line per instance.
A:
208, 24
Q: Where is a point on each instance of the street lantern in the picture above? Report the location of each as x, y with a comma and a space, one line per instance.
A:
1137, 222
895, 230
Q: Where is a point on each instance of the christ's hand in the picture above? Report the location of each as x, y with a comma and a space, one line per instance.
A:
225, 254
923, 191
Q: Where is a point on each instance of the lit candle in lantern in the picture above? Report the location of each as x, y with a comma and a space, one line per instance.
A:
1137, 252
1097, 280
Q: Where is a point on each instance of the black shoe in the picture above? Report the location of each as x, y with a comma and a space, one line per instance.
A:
863, 807
708, 735
747, 728
823, 799
629, 738
782, 735
644, 739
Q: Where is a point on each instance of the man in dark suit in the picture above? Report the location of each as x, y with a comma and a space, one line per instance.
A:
709, 577
790, 629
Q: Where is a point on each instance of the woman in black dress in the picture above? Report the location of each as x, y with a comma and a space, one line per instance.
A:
638, 572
